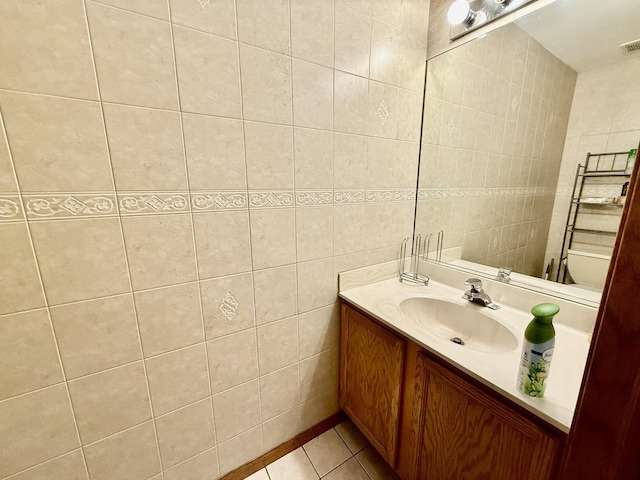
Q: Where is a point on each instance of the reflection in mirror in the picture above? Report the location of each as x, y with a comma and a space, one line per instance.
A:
508, 117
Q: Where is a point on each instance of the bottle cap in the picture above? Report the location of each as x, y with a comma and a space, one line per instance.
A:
545, 311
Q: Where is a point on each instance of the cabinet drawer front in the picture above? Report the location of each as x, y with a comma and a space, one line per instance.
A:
371, 379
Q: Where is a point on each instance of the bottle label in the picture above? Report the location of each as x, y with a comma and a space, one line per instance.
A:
535, 364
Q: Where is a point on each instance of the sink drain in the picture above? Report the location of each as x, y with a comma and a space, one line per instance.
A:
457, 340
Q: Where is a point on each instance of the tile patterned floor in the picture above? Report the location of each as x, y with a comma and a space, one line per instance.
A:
341, 453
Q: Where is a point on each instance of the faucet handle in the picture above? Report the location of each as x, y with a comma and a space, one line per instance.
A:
475, 284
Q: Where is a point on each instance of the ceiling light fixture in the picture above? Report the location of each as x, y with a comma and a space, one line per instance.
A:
460, 13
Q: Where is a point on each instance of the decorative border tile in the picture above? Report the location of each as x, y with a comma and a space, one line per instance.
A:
314, 197
216, 201
341, 197
151, 203
439, 194
69, 205
10, 208
376, 196
271, 199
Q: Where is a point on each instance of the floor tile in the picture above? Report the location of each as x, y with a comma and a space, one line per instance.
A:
351, 436
350, 470
259, 475
327, 451
295, 465
375, 466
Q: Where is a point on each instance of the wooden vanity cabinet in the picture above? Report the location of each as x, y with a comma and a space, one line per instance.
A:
371, 368
448, 427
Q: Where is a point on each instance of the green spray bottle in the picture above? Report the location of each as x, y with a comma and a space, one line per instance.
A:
537, 350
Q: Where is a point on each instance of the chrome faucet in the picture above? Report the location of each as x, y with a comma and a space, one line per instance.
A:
476, 294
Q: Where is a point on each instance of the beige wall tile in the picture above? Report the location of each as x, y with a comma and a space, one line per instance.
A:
28, 356
208, 74
240, 450
130, 455
383, 115
385, 53
350, 94
69, 466
110, 401
169, 318
178, 378
348, 228
279, 429
159, 250
146, 148
266, 85
314, 233
413, 53
80, 259
45, 49
269, 156
264, 24
275, 292
70, 137
349, 163
222, 243
363, 6
317, 409
312, 95
96, 335
8, 182
319, 330
35, 428
273, 237
389, 11
185, 433
134, 58
227, 303
215, 153
316, 285
353, 40
218, 18
236, 410
200, 467
312, 31
279, 391
319, 374
278, 344
153, 8
20, 287
233, 359
313, 159
409, 115
415, 17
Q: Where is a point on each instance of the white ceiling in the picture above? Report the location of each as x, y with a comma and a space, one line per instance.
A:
586, 34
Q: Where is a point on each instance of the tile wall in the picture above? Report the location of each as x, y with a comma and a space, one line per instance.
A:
180, 182
496, 113
605, 117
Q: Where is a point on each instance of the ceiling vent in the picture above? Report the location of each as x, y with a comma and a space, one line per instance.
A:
631, 46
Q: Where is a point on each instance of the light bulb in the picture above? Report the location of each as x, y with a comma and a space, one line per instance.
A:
460, 12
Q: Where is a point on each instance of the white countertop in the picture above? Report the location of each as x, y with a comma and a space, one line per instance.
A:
496, 370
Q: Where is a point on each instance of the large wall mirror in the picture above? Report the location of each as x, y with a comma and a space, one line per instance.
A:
508, 119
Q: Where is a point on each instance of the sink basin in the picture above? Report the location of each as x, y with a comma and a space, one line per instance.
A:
466, 323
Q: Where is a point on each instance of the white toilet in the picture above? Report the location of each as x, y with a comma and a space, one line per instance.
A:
588, 269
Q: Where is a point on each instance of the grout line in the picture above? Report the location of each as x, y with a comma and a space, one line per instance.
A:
44, 295
16, 474
124, 244
309, 458
193, 233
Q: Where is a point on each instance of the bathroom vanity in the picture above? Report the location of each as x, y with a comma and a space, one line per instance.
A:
437, 409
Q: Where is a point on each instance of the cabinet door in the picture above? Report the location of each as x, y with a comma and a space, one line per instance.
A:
371, 366
469, 435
